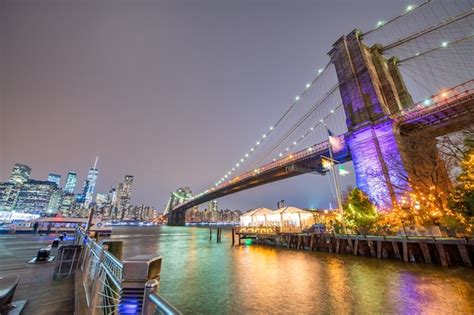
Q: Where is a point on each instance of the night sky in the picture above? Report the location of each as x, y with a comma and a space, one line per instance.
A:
172, 92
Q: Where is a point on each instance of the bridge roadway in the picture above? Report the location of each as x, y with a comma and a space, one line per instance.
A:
446, 112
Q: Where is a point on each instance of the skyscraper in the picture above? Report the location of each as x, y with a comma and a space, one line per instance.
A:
81, 197
91, 178
54, 201
20, 174
212, 206
126, 192
70, 182
54, 178
35, 195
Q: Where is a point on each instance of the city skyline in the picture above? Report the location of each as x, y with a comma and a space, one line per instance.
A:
158, 113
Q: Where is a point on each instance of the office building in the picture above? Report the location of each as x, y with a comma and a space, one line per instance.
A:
91, 178
20, 174
70, 183
54, 178
126, 192
54, 201
67, 203
8, 195
34, 196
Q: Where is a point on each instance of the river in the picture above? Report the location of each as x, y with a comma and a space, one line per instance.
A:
203, 277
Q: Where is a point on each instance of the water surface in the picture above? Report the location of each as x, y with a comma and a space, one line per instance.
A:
202, 277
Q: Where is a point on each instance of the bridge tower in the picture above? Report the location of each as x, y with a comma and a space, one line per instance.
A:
372, 92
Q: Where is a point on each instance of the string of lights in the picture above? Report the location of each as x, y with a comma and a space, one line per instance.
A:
409, 9
271, 128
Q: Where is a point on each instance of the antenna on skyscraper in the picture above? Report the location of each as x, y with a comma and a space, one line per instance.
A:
95, 163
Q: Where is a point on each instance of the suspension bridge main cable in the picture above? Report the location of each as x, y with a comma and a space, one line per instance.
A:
412, 9
428, 30
297, 124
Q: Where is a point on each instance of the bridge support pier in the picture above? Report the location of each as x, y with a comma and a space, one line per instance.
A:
386, 163
177, 218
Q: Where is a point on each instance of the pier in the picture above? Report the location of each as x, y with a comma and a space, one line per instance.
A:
43, 294
85, 276
431, 250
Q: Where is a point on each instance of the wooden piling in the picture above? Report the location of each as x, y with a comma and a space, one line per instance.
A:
379, 249
426, 253
372, 249
233, 236
405, 251
311, 242
356, 247
442, 254
464, 255
396, 250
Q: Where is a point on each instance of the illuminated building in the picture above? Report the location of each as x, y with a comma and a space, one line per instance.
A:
35, 195
112, 196
54, 201
101, 200
67, 202
91, 178
8, 195
212, 205
81, 197
20, 174
70, 183
125, 192
54, 178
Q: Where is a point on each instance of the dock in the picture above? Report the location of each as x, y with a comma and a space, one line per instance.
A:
446, 251
43, 294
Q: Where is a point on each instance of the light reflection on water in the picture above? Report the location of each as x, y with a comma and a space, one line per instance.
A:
202, 277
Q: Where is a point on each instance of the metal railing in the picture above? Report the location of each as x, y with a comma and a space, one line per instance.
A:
102, 282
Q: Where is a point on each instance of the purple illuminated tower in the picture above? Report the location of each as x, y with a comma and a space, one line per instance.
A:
372, 92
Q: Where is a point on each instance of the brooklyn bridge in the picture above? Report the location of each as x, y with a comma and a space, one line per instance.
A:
381, 101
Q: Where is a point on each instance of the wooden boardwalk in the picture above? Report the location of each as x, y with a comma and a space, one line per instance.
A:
43, 294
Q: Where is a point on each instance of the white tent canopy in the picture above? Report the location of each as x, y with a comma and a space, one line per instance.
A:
256, 217
287, 218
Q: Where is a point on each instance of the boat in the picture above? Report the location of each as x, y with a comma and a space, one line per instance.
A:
57, 225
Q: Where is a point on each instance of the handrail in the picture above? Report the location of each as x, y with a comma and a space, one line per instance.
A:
113, 267
162, 305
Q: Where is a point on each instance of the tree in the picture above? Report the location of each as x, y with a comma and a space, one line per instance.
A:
360, 213
461, 198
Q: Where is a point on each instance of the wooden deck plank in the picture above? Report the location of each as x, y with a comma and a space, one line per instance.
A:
44, 295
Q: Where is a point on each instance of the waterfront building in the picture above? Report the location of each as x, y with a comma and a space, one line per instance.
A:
212, 205
20, 174
34, 196
112, 196
54, 178
55, 201
8, 195
92, 179
70, 185
67, 203
126, 192
102, 200
81, 197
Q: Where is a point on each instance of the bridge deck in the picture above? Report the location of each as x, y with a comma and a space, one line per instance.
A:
43, 294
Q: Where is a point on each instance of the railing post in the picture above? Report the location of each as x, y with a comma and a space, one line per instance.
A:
96, 284
136, 272
149, 307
